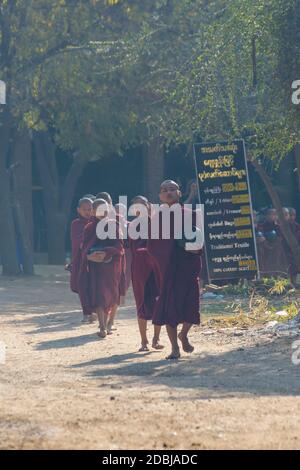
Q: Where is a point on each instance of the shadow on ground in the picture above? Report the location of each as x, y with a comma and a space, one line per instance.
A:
253, 370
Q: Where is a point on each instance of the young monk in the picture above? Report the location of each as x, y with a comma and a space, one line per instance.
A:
179, 271
144, 282
100, 272
84, 211
126, 261
295, 228
112, 214
270, 226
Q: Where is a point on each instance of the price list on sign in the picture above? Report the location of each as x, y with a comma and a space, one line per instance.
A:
224, 191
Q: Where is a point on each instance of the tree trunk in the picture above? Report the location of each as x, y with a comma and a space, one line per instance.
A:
286, 231
57, 195
56, 233
153, 168
10, 265
21, 177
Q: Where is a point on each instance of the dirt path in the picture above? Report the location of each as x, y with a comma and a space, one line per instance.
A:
61, 387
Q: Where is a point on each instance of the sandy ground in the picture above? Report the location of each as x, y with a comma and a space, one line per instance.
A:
63, 388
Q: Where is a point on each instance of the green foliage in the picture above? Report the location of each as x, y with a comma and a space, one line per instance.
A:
106, 74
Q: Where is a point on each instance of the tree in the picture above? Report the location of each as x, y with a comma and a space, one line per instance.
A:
38, 39
236, 82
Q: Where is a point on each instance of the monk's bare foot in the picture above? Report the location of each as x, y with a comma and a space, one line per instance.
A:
175, 354
156, 344
102, 333
110, 327
186, 345
144, 347
85, 319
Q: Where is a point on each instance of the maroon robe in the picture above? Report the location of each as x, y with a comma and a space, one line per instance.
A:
126, 259
179, 291
144, 279
77, 228
99, 283
292, 268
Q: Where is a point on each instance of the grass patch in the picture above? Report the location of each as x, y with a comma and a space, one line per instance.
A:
252, 304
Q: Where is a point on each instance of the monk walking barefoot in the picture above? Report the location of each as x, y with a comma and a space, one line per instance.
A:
100, 272
179, 271
78, 225
144, 277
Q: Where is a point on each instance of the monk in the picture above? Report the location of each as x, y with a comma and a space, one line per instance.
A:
293, 270
112, 215
84, 211
126, 261
295, 227
100, 272
179, 271
107, 197
144, 282
270, 227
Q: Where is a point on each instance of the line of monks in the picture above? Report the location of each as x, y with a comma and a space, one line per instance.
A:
164, 275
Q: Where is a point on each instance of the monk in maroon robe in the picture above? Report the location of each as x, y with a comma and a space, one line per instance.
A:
144, 280
179, 271
84, 211
271, 249
113, 215
126, 260
100, 272
270, 224
295, 228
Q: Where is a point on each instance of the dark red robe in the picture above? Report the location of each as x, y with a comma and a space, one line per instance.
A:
99, 283
144, 279
292, 268
179, 291
77, 228
126, 258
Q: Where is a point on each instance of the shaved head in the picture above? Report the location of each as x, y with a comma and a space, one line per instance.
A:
84, 200
98, 202
169, 183
106, 196
89, 196
140, 199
